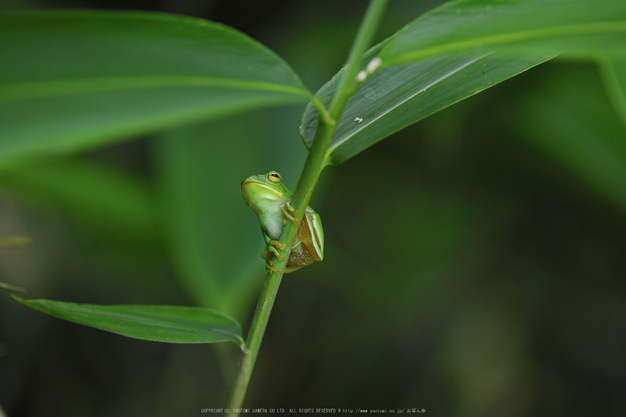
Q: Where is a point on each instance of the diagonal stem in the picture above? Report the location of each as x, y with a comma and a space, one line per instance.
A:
313, 166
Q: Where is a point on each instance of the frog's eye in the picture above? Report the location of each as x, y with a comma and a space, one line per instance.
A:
274, 177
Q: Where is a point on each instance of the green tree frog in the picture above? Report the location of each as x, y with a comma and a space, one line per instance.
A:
271, 201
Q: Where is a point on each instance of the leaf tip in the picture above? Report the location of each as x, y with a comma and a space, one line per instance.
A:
18, 299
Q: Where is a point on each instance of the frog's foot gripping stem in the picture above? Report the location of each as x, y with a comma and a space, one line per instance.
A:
267, 254
272, 248
290, 213
275, 245
270, 269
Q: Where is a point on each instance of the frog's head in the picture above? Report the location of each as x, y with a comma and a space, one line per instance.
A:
261, 191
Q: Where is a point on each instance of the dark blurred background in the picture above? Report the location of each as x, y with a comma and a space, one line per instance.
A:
474, 261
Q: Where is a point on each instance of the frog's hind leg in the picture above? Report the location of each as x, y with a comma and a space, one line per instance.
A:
274, 246
267, 254
271, 250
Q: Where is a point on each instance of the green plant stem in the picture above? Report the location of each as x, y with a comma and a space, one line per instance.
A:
363, 39
313, 166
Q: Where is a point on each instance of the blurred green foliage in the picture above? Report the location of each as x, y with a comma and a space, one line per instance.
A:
474, 261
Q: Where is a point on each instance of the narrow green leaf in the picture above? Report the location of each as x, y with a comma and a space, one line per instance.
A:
8, 287
401, 95
73, 80
169, 324
578, 27
14, 241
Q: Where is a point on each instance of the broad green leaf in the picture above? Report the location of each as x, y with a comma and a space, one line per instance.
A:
577, 27
398, 96
74, 80
109, 200
170, 324
213, 237
568, 116
458, 50
614, 76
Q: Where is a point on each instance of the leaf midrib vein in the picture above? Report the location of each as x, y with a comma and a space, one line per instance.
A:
525, 35
54, 88
404, 100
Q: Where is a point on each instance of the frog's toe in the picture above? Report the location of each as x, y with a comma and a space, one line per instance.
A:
271, 249
277, 244
271, 270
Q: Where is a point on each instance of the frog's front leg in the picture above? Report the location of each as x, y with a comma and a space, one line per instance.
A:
290, 213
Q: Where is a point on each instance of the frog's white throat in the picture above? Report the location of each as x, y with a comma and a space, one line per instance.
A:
271, 220
267, 203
